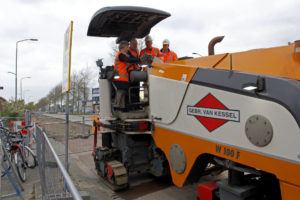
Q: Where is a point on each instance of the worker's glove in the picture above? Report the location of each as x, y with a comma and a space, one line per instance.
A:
157, 60
146, 59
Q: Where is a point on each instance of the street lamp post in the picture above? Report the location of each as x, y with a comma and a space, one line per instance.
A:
16, 71
21, 97
25, 92
12, 73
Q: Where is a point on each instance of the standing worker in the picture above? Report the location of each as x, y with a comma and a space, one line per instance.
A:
133, 48
134, 52
150, 50
168, 55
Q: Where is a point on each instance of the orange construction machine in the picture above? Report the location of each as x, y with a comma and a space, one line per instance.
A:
233, 112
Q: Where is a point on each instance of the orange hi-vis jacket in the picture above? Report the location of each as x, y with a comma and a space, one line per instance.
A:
121, 68
134, 52
169, 56
133, 66
153, 52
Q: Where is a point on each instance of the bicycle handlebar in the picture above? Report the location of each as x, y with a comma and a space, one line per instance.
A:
8, 132
3, 128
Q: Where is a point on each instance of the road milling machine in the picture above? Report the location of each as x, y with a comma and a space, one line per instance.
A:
236, 113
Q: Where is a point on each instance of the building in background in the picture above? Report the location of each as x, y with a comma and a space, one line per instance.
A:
2, 101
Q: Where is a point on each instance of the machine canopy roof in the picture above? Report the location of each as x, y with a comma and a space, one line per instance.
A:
124, 22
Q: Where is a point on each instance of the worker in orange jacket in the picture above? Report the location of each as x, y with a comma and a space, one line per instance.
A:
122, 62
150, 50
134, 52
168, 55
121, 80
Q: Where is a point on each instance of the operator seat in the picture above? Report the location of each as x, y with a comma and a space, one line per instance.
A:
128, 99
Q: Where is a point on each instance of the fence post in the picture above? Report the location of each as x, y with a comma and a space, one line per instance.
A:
28, 117
67, 134
1, 157
41, 158
83, 125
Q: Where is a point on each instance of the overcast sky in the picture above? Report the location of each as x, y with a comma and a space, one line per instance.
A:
246, 25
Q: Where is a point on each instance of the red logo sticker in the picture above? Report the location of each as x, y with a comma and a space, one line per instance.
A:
212, 113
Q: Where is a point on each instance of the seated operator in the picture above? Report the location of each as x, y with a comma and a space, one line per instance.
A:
121, 79
168, 55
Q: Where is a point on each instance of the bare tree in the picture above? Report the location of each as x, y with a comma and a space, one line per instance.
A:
74, 80
57, 95
79, 93
42, 103
85, 76
115, 49
50, 98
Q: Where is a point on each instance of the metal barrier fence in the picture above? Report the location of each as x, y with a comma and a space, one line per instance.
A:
81, 137
55, 181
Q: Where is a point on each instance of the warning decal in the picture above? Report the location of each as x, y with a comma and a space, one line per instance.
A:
211, 113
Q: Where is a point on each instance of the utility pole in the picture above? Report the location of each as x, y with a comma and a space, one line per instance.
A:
16, 65
67, 85
21, 97
84, 98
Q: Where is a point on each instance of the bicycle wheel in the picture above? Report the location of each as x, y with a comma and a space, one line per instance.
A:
30, 157
5, 166
20, 165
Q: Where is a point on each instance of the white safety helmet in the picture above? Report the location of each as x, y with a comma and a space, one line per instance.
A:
166, 41
148, 38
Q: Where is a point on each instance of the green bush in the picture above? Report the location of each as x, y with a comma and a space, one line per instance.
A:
13, 109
